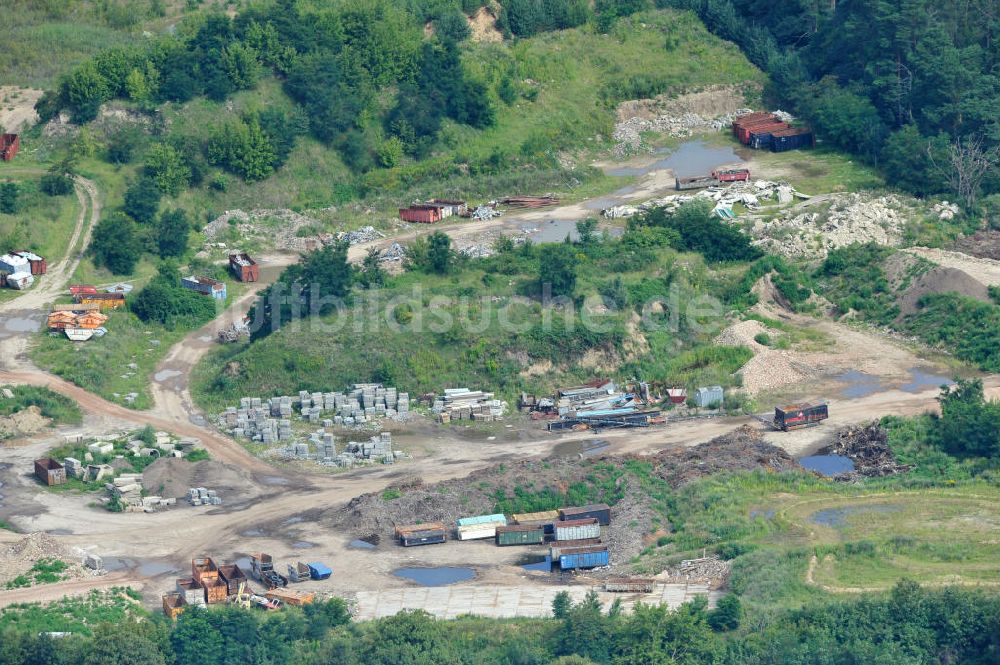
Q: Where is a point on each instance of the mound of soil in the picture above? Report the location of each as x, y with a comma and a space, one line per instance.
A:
23, 423
941, 280
172, 476
981, 244
743, 449
18, 557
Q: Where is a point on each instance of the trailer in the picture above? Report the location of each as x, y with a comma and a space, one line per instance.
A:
421, 534
584, 557
578, 529
792, 139
599, 511
798, 416
520, 534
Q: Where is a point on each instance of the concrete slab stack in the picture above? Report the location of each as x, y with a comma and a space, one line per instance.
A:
465, 404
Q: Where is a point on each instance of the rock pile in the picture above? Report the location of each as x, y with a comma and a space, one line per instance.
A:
945, 210
285, 234
628, 133
360, 236
852, 218
18, 557
394, 252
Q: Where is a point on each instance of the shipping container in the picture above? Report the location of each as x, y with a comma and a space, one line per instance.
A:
584, 557
743, 134
9, 145
731, 175
205, 285
694, 182
796, 416
711, 396
77, 289
290, 597
578, 529
409, 528
49, 471
792, 139
319, 571
482, 519
244, 267
599, 511
558, 548
520, 534
546, 516
203, 568
216, 590
750, 118
760, 135
477, 531
173, 605
102, 300
422, 214
37, 263
233, 577
192, 591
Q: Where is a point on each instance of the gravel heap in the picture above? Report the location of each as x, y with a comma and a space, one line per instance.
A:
360, 236
852, 218
771, 369
18, 557
743, 333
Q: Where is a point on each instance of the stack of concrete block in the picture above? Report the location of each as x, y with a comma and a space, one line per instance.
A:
74, 468
376, 449
201, 496
127, 488
465, 404
101, 448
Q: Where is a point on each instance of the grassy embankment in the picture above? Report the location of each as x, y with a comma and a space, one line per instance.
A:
78, 615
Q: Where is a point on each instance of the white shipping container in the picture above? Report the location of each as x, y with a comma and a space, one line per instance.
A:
578, 532
478, 531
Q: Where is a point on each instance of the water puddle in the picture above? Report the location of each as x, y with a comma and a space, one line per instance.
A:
690, 158
581, 449
252, 533
921, 380
827, 465
165, 374
359, 544
440, 576
859, 384
152, 568
274, 480
115, 563
543, 564
836, 518
60, 532
302, 545
18, 324
293, 520
765, 514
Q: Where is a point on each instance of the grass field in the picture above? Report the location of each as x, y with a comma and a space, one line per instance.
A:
75, 614
863, 537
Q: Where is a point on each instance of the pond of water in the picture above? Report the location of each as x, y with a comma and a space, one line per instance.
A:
359, 544
828, 465
440, 576
837, 517
690, 158
544, 564
921, 380
859, 384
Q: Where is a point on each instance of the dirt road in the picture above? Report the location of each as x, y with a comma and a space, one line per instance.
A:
985, 271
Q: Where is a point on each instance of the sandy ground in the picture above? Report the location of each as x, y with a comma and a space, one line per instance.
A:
17, 108
278, 517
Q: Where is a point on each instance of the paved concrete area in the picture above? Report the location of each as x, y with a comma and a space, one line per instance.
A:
449, 602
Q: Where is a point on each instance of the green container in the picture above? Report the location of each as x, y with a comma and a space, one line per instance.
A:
520, 535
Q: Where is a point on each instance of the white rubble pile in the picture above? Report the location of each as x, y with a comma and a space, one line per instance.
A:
852, 218
945, 210
360, 236
394, 252
628, 133
750, 194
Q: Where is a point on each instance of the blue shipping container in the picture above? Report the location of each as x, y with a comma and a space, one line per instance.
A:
583, 560
319, 571
482, 519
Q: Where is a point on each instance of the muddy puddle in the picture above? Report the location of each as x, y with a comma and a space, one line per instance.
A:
153, 568
556, 230
859, 384
440, 576
827, 465
165, 375
581, 449
538, 563
836, 518
359, 544
689, 158
921, 380
302, 545
19, 324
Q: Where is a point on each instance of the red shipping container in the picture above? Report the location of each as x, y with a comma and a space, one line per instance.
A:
762, 127
421, 214
750, 118
9, 145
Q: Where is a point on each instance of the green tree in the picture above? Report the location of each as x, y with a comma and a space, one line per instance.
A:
117, 244
561, 605
123, 644
557, 269
452, 25
172, 233
168, 168
8, 198
439, 253
84, 91
241, 65
194, 640
727, 613
242, 147
968, 424
142, 200
372, 274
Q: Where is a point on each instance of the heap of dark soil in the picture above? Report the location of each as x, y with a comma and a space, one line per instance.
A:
743, 449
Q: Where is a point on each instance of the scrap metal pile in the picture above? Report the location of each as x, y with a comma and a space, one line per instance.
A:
595, 405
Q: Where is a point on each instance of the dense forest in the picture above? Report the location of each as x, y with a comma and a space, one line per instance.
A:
910, 625
909, 85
